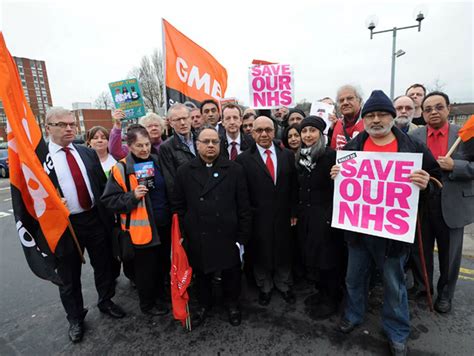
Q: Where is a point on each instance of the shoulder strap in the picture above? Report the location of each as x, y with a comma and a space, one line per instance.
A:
127, 183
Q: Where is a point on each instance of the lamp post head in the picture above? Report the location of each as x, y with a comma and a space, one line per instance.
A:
371, 23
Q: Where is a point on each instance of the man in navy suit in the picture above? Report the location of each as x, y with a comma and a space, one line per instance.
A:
81, 181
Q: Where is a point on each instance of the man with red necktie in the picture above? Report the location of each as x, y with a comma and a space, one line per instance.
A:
271, 179
233, 142
81, 182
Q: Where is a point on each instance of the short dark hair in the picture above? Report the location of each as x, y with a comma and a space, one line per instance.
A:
93, 130
232, 106
433, 93
248, 116
416, 85
209, 101
133, 131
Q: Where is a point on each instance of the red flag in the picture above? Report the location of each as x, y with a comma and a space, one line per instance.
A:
41, 218
467, 131
262, 62
181, 274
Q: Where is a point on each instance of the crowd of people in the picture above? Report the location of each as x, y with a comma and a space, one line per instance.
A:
253, 190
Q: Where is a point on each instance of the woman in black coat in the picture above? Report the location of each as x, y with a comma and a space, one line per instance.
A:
321, 248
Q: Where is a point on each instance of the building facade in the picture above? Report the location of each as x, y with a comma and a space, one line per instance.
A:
35, 83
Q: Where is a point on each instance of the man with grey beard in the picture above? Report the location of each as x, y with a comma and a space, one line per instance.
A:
390, 256
405, 107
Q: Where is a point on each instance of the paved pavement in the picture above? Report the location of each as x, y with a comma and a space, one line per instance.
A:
32, 321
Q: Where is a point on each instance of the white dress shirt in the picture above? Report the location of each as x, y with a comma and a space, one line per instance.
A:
66, 182
262, 150
237, 146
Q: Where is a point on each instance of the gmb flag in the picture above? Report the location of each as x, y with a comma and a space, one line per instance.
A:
40, 216
191, 73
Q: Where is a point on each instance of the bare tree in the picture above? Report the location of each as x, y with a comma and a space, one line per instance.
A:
437, 85
104, 101
151, 79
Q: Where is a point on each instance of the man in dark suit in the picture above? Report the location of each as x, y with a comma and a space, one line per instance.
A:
179, 148
81, 181
233, 141
211, 199
271, 178
452, 207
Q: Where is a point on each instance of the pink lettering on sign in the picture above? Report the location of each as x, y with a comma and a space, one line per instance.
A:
271, 85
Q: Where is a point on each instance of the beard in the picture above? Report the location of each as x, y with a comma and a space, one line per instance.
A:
403, 121
380, 130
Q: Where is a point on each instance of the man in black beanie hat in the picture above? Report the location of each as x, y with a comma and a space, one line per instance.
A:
390, 256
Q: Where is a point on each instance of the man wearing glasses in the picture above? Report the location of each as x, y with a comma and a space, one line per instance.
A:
272, 182
81, 181
179, 148
452, 207
405, 107
211, 199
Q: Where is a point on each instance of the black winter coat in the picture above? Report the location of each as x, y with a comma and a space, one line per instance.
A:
429, 164
173, 154
214, 212
272, 206
320, 247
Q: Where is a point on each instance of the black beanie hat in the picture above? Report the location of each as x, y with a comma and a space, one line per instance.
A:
292, 111
314, 121
378, 101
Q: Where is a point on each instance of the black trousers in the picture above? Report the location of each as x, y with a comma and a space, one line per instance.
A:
92, 236
146, 271
231, 286
449, 242
164, 260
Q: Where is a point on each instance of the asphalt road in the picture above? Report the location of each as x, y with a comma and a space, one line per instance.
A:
32, 320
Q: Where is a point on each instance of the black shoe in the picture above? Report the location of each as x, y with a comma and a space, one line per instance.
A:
112, 309
264, 298
199, 317
156, 310
345, 326
289, 296
398, 348
442, 305
76, 331
235, 316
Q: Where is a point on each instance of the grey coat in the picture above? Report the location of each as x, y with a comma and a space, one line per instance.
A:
457, 195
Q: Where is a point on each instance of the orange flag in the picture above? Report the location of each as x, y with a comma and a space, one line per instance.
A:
181, 274
41, 218
467, 131
191, 72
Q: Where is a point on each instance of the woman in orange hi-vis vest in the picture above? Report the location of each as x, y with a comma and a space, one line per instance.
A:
136, 192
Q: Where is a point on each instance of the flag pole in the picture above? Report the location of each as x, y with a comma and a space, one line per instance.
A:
453, 147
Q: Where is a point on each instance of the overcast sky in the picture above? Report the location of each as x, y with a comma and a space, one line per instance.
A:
87, 44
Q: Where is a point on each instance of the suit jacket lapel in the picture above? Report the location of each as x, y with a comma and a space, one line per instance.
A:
279, 162
218, 173
258, 158
452, 136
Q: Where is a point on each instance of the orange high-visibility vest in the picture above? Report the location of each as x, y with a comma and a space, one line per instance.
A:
140, 229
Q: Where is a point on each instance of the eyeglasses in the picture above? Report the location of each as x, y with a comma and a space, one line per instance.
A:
267, 130
437, 108
406, 108
178, 119
207, 142
63, 125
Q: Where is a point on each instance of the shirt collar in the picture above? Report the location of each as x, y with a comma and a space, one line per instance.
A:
237, 140
262, 150
55, 148
181, 137
443, 130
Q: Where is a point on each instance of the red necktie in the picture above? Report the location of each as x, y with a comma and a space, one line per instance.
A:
79, 182
233, 151
269, 164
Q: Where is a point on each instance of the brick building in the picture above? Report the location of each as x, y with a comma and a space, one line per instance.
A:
35, 83
87, 118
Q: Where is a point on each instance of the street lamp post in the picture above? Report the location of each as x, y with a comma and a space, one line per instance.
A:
371, 25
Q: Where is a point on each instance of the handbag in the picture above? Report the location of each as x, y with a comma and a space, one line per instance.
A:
122, 245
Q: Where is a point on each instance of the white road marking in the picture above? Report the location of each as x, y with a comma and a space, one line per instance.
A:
3, 214
10, 210
4, 188
8, 199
